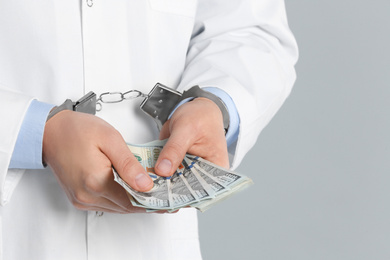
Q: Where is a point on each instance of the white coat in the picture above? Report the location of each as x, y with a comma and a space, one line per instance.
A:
53, 50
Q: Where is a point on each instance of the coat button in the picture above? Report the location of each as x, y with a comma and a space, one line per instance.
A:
90, 3
99, 213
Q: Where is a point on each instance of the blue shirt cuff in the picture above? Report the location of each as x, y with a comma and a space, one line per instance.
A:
27, 153
232, 134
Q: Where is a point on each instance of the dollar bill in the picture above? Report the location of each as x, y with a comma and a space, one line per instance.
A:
199, 186
159, 196
223, 176
232, 182
196, 183
182, 194
207, 181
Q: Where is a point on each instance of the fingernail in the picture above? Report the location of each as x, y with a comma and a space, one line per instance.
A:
165, 166
143, 180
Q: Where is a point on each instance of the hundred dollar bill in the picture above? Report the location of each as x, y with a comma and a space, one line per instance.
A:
159, 196
181, 193
203, 186
196, 183
147, 154
222, 175
186, 189
231, 181
205, 205
199, 187
156, 198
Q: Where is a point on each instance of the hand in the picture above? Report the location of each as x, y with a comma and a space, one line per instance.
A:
196, 128
81, 150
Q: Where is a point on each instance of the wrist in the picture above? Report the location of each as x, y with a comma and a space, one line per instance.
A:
234, 124
53, 131
86, 104
196, 92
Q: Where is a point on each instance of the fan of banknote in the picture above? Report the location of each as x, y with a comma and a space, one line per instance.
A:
196, 183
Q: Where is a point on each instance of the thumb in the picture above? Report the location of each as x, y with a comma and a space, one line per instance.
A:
173, 153
127, 165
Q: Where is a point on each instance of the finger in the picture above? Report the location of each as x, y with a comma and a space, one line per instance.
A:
120, 210
99, 188
216, 153
173, 152
126, 164
87, 202
164, 133
116, 194
110, 210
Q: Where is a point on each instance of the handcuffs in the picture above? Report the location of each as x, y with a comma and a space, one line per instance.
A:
159, 103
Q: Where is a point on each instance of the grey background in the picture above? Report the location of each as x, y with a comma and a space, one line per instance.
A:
321, 167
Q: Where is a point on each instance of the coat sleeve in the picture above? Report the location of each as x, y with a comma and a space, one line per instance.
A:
12, 110
245, 48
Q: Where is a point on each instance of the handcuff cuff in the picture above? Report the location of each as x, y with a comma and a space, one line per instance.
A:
159, 103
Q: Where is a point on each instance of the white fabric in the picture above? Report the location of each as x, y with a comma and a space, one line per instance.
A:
53, 50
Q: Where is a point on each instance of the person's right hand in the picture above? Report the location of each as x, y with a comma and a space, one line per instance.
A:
81, 150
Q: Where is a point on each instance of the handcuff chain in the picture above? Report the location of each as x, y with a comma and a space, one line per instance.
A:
116, 97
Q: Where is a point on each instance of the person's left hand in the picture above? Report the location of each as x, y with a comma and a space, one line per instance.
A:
196, 127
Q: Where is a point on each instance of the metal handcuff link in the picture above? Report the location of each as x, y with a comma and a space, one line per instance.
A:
159, 103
